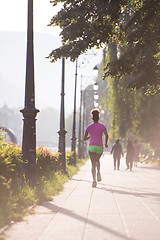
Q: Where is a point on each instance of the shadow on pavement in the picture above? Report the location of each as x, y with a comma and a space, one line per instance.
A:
69, 213
79, 180
130, 191
150, 167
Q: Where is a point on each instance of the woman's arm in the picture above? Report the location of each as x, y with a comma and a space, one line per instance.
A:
106, 137
112, 149
86, 137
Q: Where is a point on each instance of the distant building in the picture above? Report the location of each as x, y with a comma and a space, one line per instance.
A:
47, 125
11, 119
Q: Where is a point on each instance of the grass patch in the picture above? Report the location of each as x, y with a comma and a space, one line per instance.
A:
50, 186
73, 169
53, 184
16, 206
17, 203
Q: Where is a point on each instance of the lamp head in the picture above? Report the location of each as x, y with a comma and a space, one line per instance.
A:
95, 70
95, 86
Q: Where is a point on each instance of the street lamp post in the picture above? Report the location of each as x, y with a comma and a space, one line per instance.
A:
83, 123
62, 132
96, 96
95, 87
80, 122
82, 144
73, 139
28, 166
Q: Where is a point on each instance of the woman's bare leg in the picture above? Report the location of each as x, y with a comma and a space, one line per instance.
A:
93, 161
98, 162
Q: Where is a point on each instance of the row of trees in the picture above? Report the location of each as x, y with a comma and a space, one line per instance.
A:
129, 31
130, 113
132, 24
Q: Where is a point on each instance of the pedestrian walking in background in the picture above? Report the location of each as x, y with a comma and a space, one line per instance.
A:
117, 153
94, 132
129, 155
136, 152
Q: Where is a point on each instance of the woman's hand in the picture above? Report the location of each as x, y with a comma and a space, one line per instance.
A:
86, 137
106, 145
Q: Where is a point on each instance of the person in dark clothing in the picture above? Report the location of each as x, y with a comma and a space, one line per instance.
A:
129, 155
117, 153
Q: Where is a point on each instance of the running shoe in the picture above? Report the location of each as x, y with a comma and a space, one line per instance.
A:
94, 184
99, 177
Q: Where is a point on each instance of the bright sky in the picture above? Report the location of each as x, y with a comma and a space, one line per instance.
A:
13, 15
13, 18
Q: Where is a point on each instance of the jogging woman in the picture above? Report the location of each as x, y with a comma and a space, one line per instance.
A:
94, 132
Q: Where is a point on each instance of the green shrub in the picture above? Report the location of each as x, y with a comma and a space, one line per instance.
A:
5, 189
46, 161
14, 200
70, 157
16, 205
10, 159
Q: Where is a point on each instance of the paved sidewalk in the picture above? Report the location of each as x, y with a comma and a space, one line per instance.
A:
125, 205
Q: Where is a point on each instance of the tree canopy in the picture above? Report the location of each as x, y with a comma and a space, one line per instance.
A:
140, 57
84, 24
131, 23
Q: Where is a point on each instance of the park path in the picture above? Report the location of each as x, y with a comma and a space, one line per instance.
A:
125, 205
